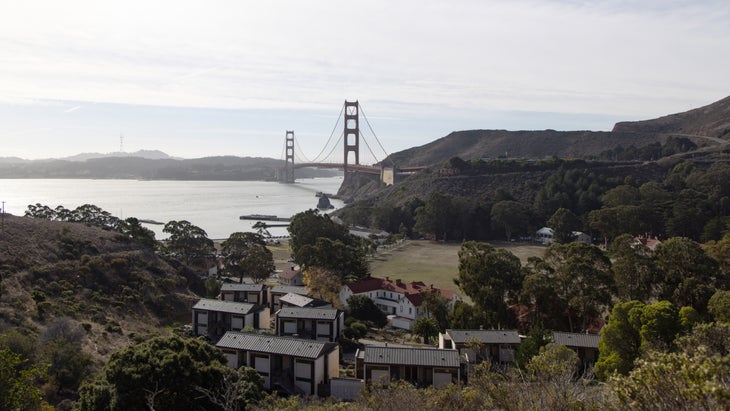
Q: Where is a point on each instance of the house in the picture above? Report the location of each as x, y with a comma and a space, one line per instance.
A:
244, 293
546, 236
278, 291
321, 324
650, 242
295, 365
420, 366
212, 318
291, 276
402, 301
585, 345
497, 346
301, 301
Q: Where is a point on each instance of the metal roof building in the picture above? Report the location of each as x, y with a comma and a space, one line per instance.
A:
485, 336
308, 313
576, 339
428, 357
224, 306
269, 344
242, 287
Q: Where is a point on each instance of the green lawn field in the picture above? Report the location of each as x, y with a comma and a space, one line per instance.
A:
433, 262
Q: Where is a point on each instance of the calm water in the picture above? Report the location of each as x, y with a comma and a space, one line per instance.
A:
211, 205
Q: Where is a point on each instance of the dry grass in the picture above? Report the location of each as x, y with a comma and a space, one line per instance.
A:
433, 262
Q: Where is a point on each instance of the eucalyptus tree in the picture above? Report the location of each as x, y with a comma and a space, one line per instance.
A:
187, 241
245, 254
491, 277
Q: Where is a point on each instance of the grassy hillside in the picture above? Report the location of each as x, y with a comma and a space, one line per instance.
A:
115, 288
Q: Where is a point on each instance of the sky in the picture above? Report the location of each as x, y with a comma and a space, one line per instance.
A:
205, 78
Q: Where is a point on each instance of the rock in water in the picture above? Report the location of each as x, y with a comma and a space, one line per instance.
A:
324, 203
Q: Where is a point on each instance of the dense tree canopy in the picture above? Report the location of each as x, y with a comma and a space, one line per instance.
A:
572, 281
510, 216
163, 373
347, 261
564, 222
306, 227
245, 254
635, 328
687, 275
492, 278
634, 271
187, 240
364, 309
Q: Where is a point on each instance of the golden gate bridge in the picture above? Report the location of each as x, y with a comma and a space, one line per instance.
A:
350, 138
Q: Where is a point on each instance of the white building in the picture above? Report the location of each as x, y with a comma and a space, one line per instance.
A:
402, 301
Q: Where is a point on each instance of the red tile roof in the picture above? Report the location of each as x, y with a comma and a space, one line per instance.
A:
411, 290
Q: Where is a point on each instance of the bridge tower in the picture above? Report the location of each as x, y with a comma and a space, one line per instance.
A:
352, 132
289, 169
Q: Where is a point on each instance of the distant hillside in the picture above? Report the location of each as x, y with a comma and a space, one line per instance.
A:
524, 178
712, 120
148, 154
127, 167
113, 285
491, 144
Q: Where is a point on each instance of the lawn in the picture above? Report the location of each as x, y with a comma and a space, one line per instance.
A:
433, 262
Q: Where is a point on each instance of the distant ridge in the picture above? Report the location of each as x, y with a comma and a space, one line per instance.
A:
146, 154
711, 121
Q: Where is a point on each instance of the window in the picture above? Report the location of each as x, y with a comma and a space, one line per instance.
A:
410, 310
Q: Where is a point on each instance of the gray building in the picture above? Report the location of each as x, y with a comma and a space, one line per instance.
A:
321, 324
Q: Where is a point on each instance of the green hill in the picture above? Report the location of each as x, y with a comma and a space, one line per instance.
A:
114, 287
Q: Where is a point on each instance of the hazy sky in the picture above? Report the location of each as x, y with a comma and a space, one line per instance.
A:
207, 78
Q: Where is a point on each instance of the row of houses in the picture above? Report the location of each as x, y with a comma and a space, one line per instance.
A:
401, 301
311, 367
299, 353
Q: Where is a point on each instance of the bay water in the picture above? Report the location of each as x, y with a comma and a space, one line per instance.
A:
214, 206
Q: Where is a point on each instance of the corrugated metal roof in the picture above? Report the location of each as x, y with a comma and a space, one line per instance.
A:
269, 344
308, 313
223, 306
485, 336
576, 339
241, 287
286, 289
296, 299
427, 357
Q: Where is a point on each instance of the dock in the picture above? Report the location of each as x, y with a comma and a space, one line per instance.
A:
264, 217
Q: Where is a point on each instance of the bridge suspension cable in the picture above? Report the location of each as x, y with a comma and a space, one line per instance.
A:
300, 154
376, 139
318, 156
